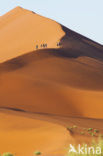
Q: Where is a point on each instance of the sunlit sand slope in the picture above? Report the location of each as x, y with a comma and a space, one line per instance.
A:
21, 30
23, 136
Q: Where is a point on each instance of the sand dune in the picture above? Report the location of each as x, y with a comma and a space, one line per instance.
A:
69, 77
21, 30
22, 134
64, 81
43, 83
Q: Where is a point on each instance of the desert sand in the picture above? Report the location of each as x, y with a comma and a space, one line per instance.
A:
56, 85
23, 136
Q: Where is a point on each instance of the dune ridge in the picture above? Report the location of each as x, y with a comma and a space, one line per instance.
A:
37, 87
22, 30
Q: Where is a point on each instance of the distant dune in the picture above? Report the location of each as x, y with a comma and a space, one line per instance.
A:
63, 79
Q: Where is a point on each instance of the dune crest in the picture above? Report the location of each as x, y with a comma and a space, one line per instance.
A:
21, 30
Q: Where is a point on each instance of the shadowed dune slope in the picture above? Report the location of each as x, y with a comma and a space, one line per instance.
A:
67, 80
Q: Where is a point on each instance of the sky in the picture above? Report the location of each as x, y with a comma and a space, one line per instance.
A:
82, 16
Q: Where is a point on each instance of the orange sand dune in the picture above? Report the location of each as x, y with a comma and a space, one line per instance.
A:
22, 133
52, 84
65, 80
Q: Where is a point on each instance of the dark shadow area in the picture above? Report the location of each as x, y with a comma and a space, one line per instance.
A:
13, 109
36, 113
73, 34
77, 45
23, 60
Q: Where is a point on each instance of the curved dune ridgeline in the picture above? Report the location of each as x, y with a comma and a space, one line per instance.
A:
43, 81
21, 30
